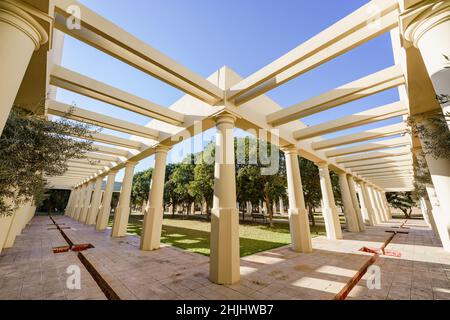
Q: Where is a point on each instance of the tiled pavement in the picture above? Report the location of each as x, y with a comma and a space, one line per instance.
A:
31, 270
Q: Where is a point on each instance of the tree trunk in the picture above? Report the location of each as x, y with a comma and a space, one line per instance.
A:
270, 211
311, 216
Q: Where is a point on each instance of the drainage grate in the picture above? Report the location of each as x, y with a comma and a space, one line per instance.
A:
101, 282
82, 247
62, 249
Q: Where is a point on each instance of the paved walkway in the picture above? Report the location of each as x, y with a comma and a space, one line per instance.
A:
31, 270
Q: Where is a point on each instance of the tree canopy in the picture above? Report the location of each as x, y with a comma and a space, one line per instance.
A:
32, 146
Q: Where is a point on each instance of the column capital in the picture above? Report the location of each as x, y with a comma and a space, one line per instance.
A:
416, 20
162, 149
289, 149
13, 14
112, 173
131, 163
225, 118
322, 164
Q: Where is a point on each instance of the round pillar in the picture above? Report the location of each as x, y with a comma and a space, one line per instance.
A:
224, 267
105, 208
20, 36
427, 26
298, 216
154, 212
123, 210
329, 210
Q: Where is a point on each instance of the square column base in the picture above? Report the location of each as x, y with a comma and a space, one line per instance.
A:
224, 266
151, 229
103, 218
5, 224
300, 232
332, 224
120, 225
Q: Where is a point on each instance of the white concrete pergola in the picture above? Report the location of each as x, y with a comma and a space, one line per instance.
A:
30, 54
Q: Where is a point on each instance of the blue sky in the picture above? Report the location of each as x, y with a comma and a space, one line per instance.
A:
245, 35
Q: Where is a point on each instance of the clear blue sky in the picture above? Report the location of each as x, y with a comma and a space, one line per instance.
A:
245, 35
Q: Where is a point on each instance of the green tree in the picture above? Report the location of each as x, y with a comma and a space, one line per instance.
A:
404, 201
311, 186
55, 201
202, 187
32, 146
182, 176
141, 188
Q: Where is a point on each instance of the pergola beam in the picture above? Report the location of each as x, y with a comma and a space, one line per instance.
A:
380, 81
378, 169
383, 132
386, 161
112, 151
392, 165
396, 142
75, 82
385, 169
102, 157
384, 174
355, 120
105, 36
375, 155
63, 110
348, 33
115, 141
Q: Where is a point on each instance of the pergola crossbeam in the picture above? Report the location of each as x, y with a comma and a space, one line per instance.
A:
380, 81
75, 82
358, 119
348, 33
63, 110
396, 142
375, 155
386, 161
113, 40
371, 134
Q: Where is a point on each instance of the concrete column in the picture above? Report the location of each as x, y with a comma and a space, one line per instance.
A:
425, 208
69, 202
298, 216
349, 209
79, 204
439, 218
440, 175
330, 213
31, 213
5, 224
154, 212
382, 205
20, 35
386, 203
16, 225
105, 208
95, 205
379, 209
351, 187
366, 205
74, 205
373, 203
86, 201
281, 204
427, 26
224, 267
122, 214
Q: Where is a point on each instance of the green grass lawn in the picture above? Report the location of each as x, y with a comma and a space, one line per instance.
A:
193, 235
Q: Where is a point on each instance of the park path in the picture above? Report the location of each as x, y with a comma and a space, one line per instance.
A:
116, 268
